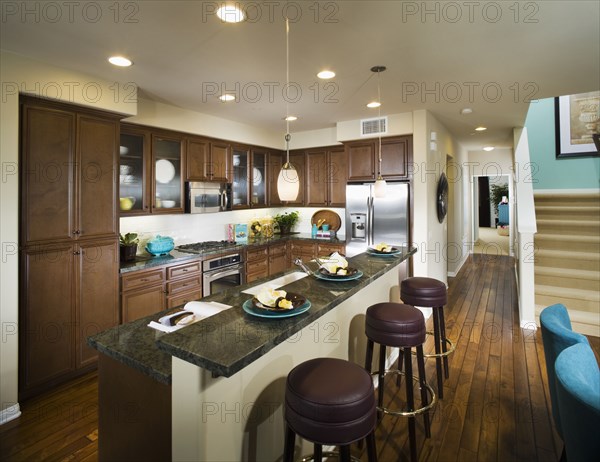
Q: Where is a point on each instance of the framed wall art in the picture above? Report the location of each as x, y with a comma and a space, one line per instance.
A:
577, 119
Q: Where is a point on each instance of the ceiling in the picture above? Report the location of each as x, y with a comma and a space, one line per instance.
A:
441, 56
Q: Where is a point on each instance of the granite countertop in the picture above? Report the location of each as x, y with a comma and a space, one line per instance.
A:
175, 256
231, 340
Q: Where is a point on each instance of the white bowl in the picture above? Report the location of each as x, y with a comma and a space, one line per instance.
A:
168, 204
125, 169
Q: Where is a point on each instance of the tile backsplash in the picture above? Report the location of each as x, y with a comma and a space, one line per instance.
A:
187, 228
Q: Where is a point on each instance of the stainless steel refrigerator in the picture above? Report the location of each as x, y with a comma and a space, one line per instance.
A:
371, 220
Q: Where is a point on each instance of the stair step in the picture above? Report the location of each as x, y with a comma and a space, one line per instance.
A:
567, 259
575, 227
577, 299
583, 322
567, 278
568, 242
567, 199
567, 212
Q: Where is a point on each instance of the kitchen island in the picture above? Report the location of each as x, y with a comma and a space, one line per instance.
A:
227, 372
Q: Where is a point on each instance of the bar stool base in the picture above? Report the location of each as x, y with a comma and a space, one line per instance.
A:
328, 454
416, 412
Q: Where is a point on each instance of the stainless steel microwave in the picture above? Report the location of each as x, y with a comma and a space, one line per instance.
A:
204, 197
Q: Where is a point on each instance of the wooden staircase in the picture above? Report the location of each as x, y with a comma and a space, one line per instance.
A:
567, 257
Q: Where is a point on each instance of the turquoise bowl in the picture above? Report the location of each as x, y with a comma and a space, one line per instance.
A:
160, 245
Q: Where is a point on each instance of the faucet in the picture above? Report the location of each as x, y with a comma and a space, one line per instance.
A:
300, 263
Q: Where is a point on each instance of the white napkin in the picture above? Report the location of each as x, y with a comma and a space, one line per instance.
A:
201, 310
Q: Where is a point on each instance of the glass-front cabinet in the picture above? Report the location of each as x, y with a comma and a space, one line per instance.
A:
167, 163
259, 176
133, 164
150, 171
240, 188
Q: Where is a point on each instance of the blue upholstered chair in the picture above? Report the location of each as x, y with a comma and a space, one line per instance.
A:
578, 396
557, 335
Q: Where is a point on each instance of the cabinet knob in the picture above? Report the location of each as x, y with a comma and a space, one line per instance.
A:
76, 252
76, 231
144, 280
185, 270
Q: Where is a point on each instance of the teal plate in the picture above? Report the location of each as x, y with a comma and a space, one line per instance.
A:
249, 308
384, 254
356, 275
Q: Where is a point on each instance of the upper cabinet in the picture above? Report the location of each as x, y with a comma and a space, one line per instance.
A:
297, 159
326, 177
240, 188
363, 158
258, 176
150, 171
208, 160
276, 160
68, 172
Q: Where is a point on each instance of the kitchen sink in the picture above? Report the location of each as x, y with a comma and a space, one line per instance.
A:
277, 283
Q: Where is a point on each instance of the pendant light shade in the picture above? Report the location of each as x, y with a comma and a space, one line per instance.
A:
380, 187
288, 183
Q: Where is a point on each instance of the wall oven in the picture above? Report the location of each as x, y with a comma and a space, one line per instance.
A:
207, 197
222, 273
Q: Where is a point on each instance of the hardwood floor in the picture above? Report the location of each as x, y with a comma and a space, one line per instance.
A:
496, 405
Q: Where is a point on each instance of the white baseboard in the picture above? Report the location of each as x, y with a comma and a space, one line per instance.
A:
528, 324
452, 274
10, 413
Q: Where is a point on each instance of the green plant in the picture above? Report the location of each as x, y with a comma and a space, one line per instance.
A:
128, 239
498, 191
287, 220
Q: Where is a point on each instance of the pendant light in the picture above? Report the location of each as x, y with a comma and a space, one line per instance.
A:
288, 184
380, 184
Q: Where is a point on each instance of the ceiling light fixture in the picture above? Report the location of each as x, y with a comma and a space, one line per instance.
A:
120, 61
230, 13
226, 97
380, 184
374, 104
466, 111
480, 129
488, 148
291, 118
288, 183
326, 74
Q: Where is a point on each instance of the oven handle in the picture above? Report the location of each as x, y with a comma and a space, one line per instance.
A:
233, 270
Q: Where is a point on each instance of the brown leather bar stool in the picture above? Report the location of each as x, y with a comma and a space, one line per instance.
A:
429, 292
402, 326
330, 402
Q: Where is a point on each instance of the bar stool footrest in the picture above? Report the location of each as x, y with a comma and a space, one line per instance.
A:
416, 412
451, 348
327, 454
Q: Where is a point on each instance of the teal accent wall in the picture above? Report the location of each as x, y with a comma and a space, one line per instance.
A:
550, 172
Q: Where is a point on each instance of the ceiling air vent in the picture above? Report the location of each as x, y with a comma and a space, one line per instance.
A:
373, 126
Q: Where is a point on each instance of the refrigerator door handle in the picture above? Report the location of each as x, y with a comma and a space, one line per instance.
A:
372, 228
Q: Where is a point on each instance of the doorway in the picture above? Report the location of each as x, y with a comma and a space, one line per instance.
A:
490, 236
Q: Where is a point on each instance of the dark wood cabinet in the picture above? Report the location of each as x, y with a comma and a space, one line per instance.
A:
277, 258
363, 158
258, 178
207, 160
167, 173
257, 263
326, 177
97, 294
69, 258
276, 160
68, 165
297, 159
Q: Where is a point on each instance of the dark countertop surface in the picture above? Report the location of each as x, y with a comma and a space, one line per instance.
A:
231, 340
176, 256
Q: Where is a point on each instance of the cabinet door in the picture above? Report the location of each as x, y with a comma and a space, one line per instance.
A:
297, 160
316, 178
275, 164
197, 160
361, 161
338, 169
98, 141
167, 156
277, 259
134, 172
47, 189
136, 304
240, 188
97, 294
394, 159
258, 177
220, 162
46, 314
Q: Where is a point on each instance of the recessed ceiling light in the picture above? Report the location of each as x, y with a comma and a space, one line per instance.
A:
120, 61
480, 129
488, 148
226, 97
326, 75
291, 118
230, 13
466, 111
374, 104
